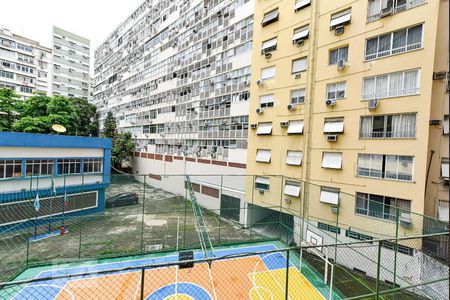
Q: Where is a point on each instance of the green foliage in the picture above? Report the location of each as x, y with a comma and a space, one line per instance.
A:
87, 117
122, 148
109, 126
9, 105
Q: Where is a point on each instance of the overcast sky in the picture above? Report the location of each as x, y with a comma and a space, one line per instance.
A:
92, 19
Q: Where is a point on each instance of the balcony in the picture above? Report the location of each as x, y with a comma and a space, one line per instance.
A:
396, 6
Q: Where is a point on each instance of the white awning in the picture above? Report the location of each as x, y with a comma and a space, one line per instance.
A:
294, 158
341, 18
299, 65
264, 128
270, 16
269, 44
263, 155
444, 169
301, 3
268, 73
333, 126
330, 197
443, 211
262, 180
292, 189
295, 127
332, 160
301, 34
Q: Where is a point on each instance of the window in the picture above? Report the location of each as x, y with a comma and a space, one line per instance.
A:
338, 54
298, 96
264, 128
332, 160
395, 167
403, 40
446, 125
262, 183
92, 165
382, 207
69, 166
380, 8
443, 210
295, 127
26, 89
336, 91
269, 46
294, 158
299, 65
388, 126
357, 235
300, 34
10, 168
39, 167
341, 18
24, 47
6, 74
400, 248
333, 125
300, 4
391, 85
444, 167
270, 17
266, 101
25, 58
263, 155
268, 73
7, 54
329, 195
292, 188
329, 228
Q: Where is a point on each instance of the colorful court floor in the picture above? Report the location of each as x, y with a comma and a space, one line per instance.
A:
255, 277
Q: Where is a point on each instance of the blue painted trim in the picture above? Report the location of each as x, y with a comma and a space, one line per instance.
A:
107, 165
19, 139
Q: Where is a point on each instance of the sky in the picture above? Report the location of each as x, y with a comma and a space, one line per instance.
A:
92, 19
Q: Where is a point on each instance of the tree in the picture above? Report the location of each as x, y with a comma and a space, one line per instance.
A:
87, 120
9, 107
122, 148
109, 126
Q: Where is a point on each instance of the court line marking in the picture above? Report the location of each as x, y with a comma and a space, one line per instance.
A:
137, 288
186, 282
257, 287
49, 285
212, 282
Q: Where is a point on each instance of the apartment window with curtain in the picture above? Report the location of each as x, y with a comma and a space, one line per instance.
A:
268, 73
338, 54
299, 65
403, 40
298, 96
266, 101
388, 126
382, 207
393, 167
380, 8
391, 85
336, 90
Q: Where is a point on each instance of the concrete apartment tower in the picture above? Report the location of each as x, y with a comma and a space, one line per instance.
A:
353, 97
25, 65
71, 67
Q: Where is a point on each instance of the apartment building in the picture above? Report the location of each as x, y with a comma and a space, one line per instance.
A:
353, 97
176, 74
71, 64
24, 64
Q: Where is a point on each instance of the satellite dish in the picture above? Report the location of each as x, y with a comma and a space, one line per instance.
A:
59, 128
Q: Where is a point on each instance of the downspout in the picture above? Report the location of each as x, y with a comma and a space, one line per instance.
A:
428, 172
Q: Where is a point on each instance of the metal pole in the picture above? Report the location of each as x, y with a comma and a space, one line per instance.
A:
79, 246
396, 246
143, 214
64, 201
377, 287
142, 282
331, 282
286, 294
28, 246
185, 215
281, 208
336, 235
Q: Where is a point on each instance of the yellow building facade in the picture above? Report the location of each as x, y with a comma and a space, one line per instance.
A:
352, 98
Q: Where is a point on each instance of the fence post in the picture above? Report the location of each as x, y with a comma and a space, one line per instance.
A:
219, 229
377, 286
286, 294
28, 246
143, 214
142, 282
396, 245
79, 247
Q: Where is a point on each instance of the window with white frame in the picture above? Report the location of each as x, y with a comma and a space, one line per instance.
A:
268, 73
264, 128
300, 4
332, 160
341, 18
270, 17
382, 207
266, 100
300, 34
25, 58
337, 55
298, 96
299, 65
336, 90
262, 183
92, 165
395, 167
263, 155
6, 74
39, 167
442, 210
380, 8
404, 40
69, 166
329, 195
26, 89
444, 167
333, 125
294, 158
391, 85
24, 47
296, 127
10, 168
269, 46
388, 126
292, 188
446, 127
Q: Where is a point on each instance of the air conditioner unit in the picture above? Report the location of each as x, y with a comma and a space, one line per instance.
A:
247, 83
253, 126
214, 155
439, 75
373, 104
435, 122
291, 106
340, 64
330, 102
405, 220
261, 192
332, 137
268, 55
299, 43
259, 82
298, 75
259, 110
334, 209
445, 181
339, 30
284, 123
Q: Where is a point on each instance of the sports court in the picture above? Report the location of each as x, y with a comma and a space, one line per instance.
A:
254, 276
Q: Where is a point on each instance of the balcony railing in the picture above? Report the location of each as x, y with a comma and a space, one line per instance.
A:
393, 51
391, 94
373, 173
394, 10
388, 135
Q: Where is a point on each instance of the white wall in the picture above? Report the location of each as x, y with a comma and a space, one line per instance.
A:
40, 152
